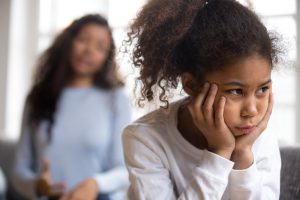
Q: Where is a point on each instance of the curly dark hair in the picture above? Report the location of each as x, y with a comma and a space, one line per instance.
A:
170, 37
54, 72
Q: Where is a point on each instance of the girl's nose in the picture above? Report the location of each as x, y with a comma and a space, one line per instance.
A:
249, 108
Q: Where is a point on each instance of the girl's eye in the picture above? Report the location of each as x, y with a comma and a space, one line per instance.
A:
236, 92
263, 90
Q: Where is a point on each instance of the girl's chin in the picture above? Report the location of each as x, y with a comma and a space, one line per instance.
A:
238, 134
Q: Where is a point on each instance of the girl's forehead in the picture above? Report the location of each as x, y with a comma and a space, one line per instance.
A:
252, 70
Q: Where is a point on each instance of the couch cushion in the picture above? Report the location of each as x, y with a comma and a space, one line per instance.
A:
7, 156
290, 173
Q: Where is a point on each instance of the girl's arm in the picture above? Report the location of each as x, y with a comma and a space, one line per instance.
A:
116, 177
261, 181
151, 179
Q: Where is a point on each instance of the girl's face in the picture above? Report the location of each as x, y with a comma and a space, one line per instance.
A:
246, 86
90, 49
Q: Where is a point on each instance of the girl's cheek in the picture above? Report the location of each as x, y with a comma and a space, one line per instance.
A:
263, 106
231, 112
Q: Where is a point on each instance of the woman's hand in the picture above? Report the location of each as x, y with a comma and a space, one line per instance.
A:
87, 190
44, 185
211, 122
242, 154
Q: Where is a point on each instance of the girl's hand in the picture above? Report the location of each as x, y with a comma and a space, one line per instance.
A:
87, 190
44, 185
242, 155
211, 122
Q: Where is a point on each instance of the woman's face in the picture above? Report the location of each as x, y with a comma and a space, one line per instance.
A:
90, 49
246, 86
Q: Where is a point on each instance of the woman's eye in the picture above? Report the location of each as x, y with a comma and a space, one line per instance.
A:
263, 90
82, 39
101, 48
236, 92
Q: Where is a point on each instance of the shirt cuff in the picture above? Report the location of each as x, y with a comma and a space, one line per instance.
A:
112, 180
246, 178
215, 165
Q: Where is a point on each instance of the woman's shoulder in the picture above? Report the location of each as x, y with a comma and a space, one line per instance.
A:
112, 95
116, 93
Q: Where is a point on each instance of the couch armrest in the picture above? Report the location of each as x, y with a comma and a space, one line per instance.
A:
290, 173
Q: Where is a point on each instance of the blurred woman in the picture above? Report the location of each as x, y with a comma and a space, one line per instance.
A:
70, 146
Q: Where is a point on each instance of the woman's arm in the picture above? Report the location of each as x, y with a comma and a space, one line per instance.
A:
116, 177
24, 178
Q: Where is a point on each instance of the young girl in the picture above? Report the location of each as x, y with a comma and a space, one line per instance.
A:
211, 144
75, 112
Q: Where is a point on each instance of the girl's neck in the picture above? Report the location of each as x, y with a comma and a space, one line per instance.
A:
81, 82
188, 129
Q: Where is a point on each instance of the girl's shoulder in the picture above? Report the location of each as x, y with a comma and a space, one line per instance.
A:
148, 132
154, 125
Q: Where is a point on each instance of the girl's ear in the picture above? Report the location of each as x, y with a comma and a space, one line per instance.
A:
189, 84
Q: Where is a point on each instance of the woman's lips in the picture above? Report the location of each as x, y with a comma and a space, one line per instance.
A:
84, 62
246, 129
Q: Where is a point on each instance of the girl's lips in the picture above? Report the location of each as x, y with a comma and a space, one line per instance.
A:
246, 129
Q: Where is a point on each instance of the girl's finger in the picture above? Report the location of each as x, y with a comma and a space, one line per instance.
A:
199, 101
219, 114
207, 107
195, 106
263, 124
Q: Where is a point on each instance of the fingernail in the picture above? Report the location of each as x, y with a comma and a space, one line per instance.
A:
223, 99
213, 86
206, 84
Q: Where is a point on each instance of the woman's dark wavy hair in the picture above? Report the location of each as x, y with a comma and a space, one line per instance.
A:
54, 72
170, 37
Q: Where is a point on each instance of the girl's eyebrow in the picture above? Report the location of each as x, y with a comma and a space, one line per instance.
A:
238, 83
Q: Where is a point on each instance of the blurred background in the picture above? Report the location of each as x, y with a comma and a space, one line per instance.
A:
27, 27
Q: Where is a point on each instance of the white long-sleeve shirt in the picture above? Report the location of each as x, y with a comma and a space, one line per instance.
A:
162, 165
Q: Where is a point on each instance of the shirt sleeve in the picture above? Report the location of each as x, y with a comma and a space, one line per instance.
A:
261, 181
150, 179
116, 177
24, 178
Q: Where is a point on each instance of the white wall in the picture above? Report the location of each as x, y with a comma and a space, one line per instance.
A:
298, 74
18, 36
5, 6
